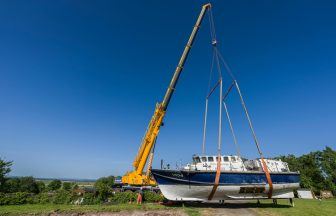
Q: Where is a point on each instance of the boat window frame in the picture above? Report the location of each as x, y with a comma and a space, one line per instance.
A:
228, 159
196, 159
204, 159
212, 159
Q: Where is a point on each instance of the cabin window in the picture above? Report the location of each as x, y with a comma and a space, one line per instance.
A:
210, 159
226, 159
204, 159
217, 159
233, 159
197, 160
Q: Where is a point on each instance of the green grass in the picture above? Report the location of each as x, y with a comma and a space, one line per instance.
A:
302, 207
192, 211
50, 208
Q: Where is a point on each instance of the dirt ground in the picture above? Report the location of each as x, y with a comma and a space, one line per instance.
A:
131, 213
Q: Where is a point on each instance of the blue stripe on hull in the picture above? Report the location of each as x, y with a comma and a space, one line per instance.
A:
226, 178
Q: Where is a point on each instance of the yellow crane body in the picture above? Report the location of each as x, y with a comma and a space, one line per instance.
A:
145, 152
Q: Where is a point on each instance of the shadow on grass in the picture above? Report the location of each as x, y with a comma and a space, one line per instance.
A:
230, 204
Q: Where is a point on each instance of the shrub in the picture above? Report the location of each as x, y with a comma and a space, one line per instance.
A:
62, 197
28, 184
67, 186
16, 198
23, 184
104, 187
90, 199
123, 197
150, 196
54, 185
41, 186
42, 198
3, 199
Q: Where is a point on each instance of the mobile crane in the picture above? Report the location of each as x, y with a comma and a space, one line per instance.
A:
137, 177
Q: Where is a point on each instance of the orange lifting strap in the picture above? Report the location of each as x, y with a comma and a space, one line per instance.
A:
268, 177
218, 172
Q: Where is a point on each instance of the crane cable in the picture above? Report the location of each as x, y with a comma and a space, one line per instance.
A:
264, 165
231, 128
215, 51
206, 106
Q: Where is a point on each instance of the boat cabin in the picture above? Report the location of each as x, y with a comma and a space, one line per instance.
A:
228, 163
234, 163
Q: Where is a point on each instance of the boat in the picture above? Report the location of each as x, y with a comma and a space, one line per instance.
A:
239, 179
211, 178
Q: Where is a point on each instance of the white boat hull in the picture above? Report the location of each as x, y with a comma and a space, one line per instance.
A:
201, 193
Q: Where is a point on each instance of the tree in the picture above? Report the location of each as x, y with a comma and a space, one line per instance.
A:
28, 184
67, 186
75, 187
41, 186
12, 185
327, 163
54, 185
104, 187
22, 184
5, 168
317, 169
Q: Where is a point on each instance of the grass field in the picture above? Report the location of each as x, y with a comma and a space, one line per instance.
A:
50, 208
302, 207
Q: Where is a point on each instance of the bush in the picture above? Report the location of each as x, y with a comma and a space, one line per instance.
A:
104, 187
23, 184
54, 185
62, 197
28, 184
16, 198
123, 197
41, 186
67, 186
150, 196
3, 199
42, 198
90, 199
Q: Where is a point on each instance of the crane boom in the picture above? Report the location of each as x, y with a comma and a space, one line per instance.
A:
137, 177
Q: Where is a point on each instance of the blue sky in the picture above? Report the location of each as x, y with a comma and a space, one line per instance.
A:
80, 79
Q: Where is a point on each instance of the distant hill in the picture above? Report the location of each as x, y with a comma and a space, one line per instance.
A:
62, 179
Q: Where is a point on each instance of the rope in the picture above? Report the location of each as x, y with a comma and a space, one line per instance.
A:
206, 105
215, 51
227, 68
264, 165
218, 56
205, 125
231, 128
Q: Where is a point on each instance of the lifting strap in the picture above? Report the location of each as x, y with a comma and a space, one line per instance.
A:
268, 178
218, 172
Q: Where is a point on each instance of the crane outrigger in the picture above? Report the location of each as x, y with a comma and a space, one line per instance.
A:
145, 153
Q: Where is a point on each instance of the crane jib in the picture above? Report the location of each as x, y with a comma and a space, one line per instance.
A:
183, 58
137, 177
